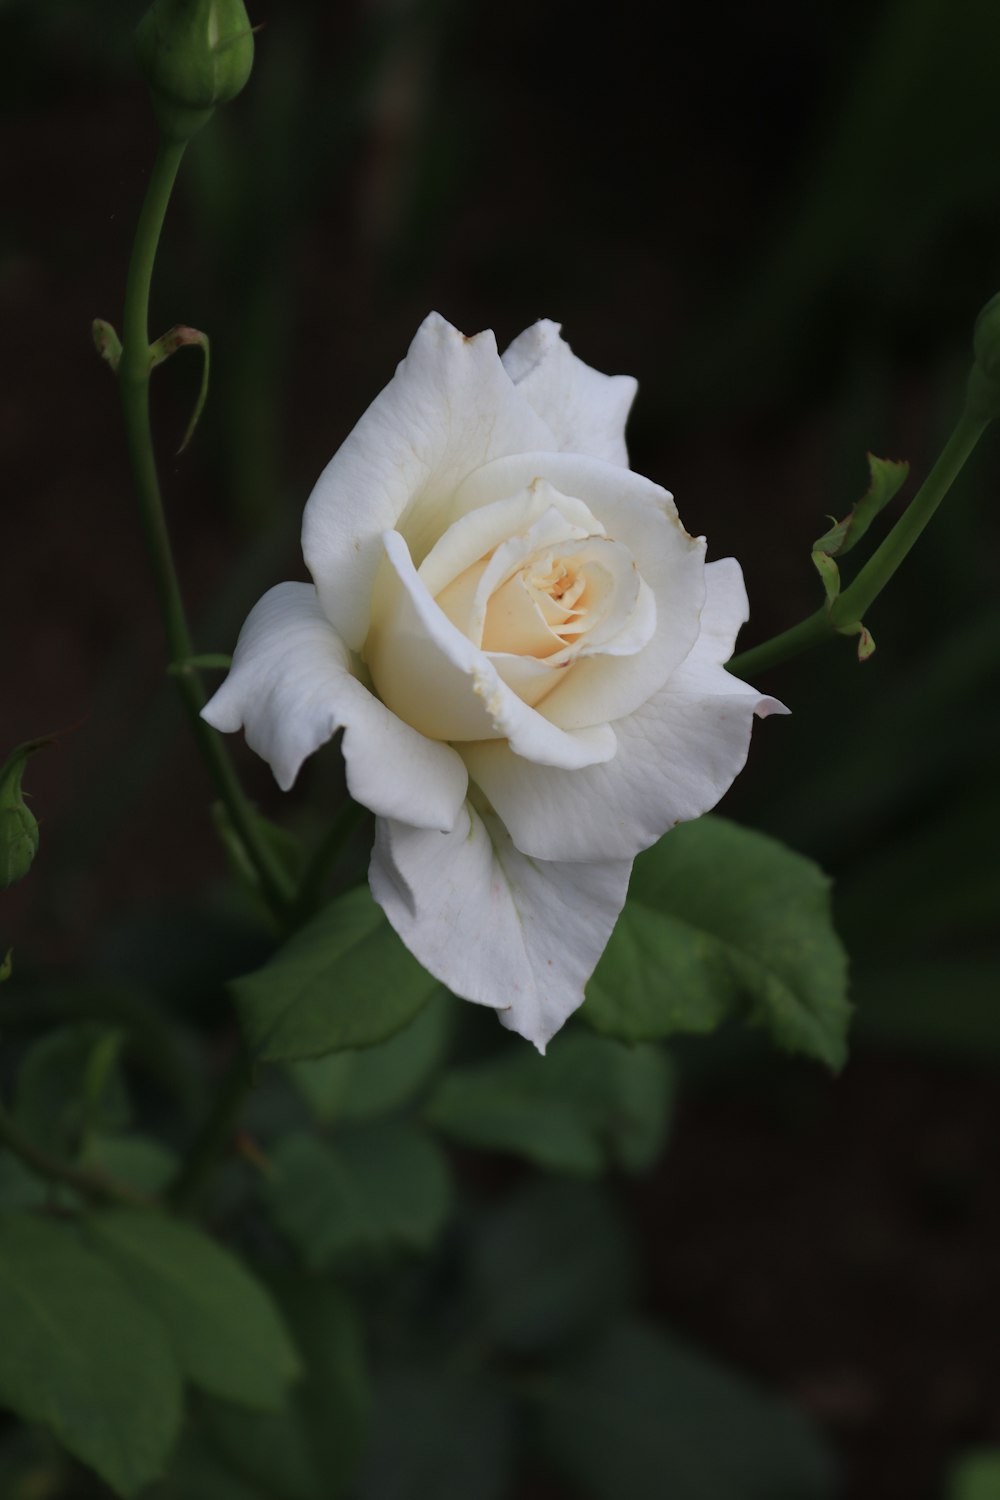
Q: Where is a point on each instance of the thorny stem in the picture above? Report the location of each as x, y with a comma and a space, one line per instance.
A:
850, 607
134, 370
95, 1186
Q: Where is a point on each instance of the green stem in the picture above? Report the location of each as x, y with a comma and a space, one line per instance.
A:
94, 1186
850, 607
186, 1189
134, 368
323, 860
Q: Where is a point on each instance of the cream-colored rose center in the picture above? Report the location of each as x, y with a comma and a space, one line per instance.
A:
548, 603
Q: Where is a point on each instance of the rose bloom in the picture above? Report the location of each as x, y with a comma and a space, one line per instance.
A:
524, 649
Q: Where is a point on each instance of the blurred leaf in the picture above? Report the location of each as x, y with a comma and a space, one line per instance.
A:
976, 1476
69, 1085
642, 1415
81, 1355
720, 918
7, 965
887, 478
224, 1329
19, 1188
438, 1433
588, 1104
138, 1161
381, 1187
309, 1450
344, 980
371, 1081
550, 1260
197, 1473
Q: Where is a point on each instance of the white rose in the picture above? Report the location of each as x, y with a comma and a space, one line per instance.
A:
524, 649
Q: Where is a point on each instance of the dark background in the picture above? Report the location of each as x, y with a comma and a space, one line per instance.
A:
782, 219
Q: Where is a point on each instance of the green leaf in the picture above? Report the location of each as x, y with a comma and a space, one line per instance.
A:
550, 1261
644, 1416
976, 1476
69, 1085
721, 919
81, 1355
7, 965
138, 1161
379, 1188
371, 1081
887, 478
588, 1104
226, 1333
310, 1449
439, 1433
19, 1188
18, 824
344, 980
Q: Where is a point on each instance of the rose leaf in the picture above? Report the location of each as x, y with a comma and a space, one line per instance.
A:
344, 980
722, 920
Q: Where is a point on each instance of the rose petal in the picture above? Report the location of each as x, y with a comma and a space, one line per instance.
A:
495, 927
586, 410
434, 678
677, 754
481, 531
641, 516
449, 408
291, 688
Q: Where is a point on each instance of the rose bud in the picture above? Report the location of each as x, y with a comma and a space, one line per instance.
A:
195, 55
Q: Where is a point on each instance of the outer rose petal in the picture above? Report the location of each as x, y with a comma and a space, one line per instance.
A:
449, 408
677, 754
493, 926
291, 688
586, 410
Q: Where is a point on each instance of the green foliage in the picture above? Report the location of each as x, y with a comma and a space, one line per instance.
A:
442, 1432
309, 1449
224, 1329
19, 1188
136, 1160
588, 1104
644, 1416
549, 1262
720, 920
362, 1084
887, 478
344, 981
976, 1476
18, 824
378, 1189
69, 1086
80, 1354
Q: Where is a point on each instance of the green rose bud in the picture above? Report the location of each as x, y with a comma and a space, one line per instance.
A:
195, 55
18, 825
984, 381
